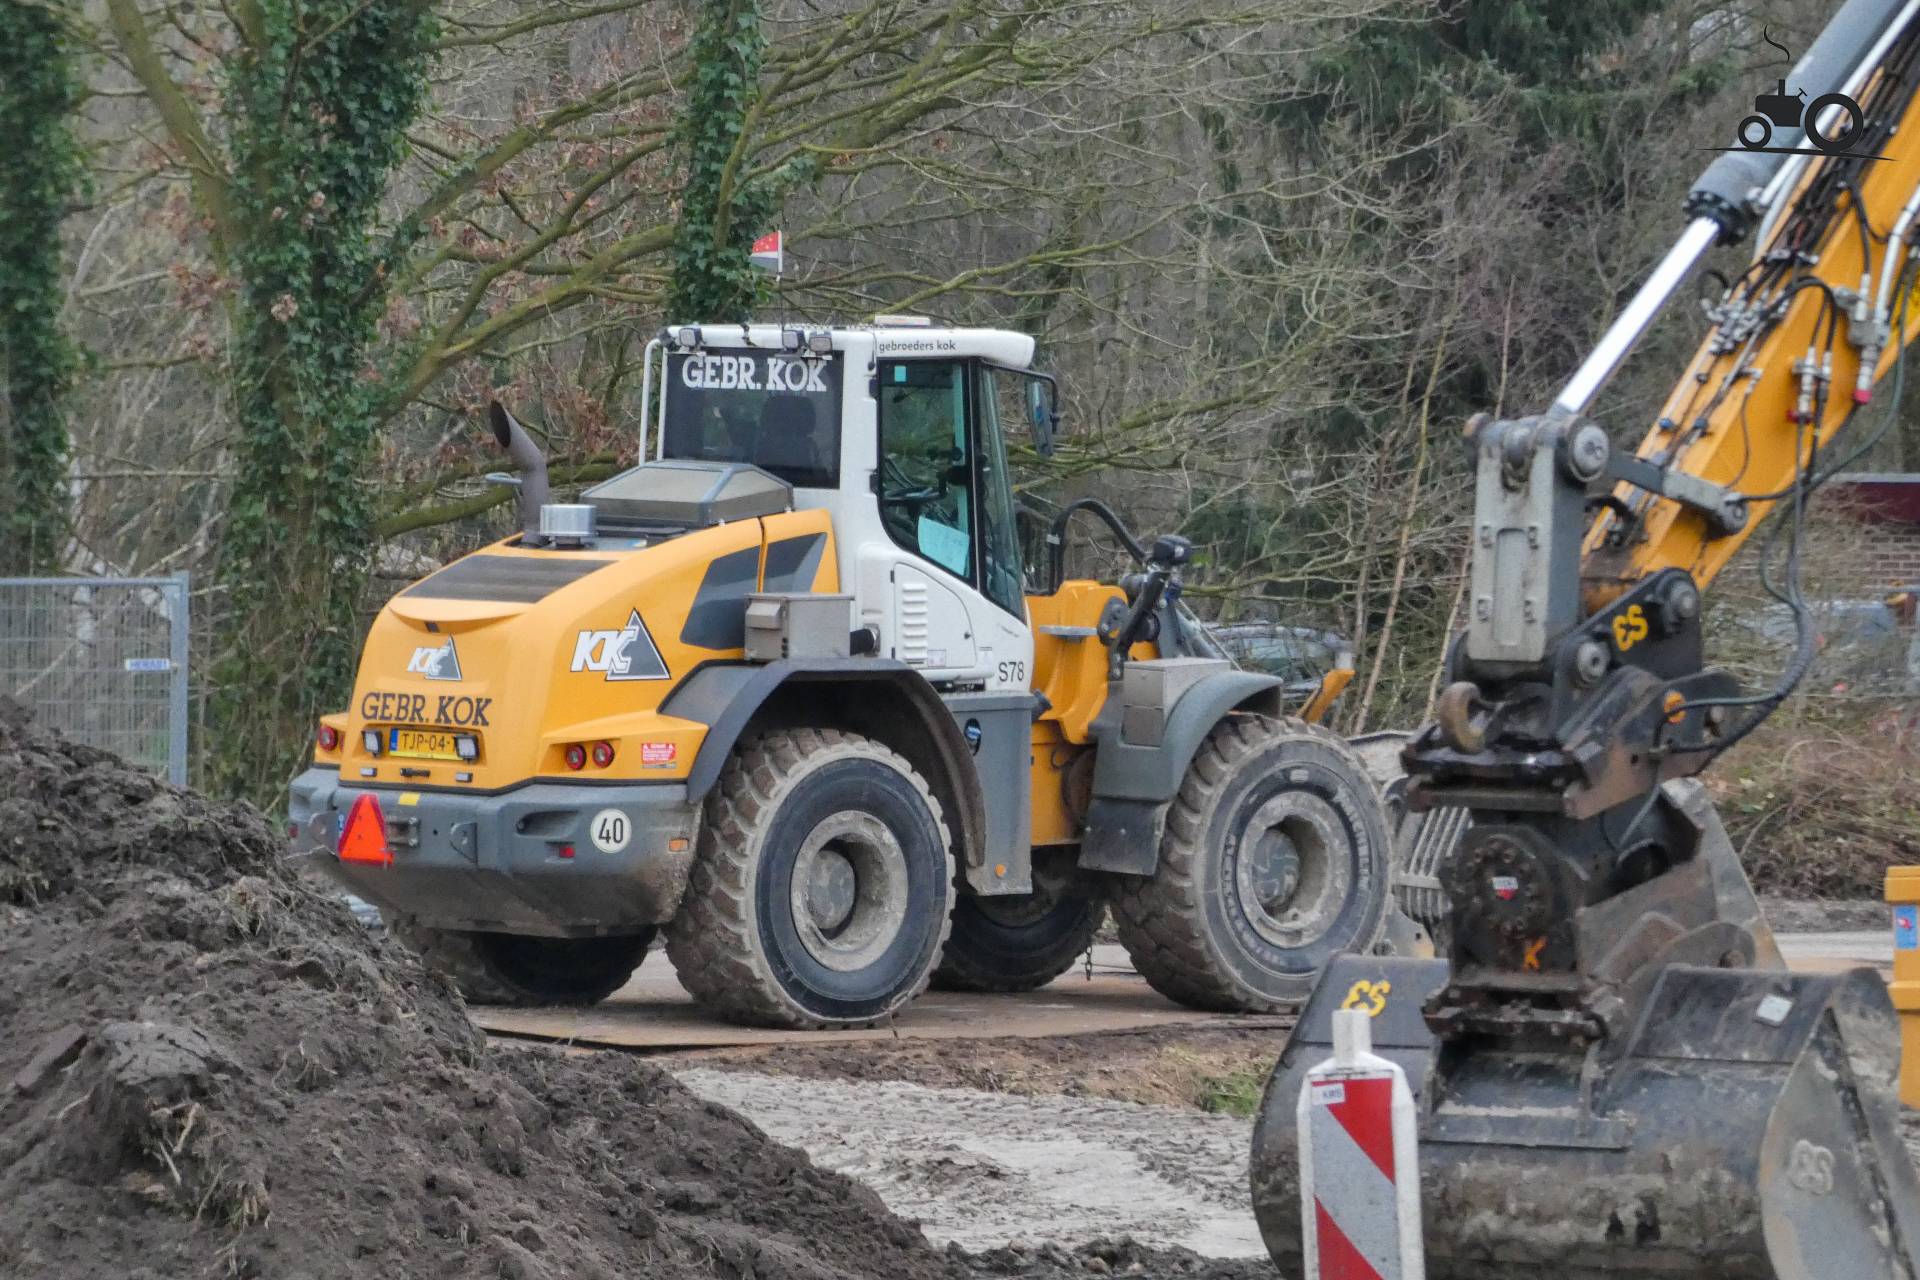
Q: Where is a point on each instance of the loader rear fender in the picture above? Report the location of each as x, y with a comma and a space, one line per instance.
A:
887, 701
1133, 782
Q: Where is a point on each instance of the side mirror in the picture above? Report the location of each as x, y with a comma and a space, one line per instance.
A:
1043, 413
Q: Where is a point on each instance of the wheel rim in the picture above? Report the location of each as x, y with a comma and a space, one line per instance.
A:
1291, 875
849, 894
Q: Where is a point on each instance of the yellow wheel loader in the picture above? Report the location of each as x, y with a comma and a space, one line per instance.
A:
1615, 1074
787, 693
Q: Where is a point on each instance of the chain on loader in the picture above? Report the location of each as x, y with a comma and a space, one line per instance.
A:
1615, 1074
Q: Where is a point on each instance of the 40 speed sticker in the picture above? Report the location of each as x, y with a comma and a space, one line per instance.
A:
610, 830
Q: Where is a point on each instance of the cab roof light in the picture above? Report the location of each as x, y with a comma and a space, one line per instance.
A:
886, 321
688, 336
792, 340
820, 342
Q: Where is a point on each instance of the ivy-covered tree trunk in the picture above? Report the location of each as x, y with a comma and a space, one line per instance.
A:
41, 167
319, 99
721, 213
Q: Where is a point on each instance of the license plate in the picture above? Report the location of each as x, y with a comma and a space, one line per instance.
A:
421, 744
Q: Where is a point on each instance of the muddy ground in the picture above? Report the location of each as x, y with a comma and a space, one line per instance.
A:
981, 1169
209, 1069
1211, 1069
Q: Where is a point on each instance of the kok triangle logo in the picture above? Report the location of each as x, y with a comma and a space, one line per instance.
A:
635, 656
626, 654
435, 662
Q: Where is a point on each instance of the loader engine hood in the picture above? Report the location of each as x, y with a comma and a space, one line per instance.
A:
484, 674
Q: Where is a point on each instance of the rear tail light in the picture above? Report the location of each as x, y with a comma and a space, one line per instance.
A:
327, 737
602, 754
565, 851
576, 756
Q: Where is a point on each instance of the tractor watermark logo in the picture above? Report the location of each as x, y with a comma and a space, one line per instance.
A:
1832, 124
435, 662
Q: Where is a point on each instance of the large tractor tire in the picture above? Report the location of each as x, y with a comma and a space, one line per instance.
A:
822, 887
1276, 858
508, 968
1022, 942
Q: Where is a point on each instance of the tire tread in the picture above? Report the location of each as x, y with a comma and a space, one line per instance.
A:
1161, 918
713, 941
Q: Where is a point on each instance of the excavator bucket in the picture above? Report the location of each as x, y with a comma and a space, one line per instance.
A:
1747, 1130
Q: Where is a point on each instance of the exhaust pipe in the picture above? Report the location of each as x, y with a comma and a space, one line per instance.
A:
532, 481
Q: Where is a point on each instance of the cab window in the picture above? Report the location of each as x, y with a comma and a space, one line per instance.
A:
1002, 395
779, 412
926, 484
944, 488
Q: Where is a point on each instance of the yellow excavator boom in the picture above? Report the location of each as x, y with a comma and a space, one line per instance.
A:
1615, 1073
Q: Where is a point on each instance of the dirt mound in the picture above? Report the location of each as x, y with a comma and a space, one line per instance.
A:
209, 1068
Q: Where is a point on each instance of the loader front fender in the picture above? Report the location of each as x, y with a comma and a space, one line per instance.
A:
882, 699
1133, 781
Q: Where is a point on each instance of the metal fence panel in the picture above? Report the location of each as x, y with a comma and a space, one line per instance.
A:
103, 660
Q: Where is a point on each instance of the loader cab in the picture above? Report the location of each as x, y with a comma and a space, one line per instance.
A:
900, 432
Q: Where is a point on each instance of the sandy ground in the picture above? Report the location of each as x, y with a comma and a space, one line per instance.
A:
987, 1169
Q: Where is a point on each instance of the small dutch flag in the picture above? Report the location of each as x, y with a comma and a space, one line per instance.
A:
769, 253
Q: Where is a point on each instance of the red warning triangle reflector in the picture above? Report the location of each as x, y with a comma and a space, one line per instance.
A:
363, 837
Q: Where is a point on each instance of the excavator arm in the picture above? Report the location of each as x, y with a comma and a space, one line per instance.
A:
1616, 1075
1590, 683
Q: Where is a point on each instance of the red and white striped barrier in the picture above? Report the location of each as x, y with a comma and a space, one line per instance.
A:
1359, 1163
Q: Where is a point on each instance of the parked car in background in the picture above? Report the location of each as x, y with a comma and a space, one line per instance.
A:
1301, 656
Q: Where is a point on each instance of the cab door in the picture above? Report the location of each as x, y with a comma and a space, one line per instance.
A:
959, 609
947, 501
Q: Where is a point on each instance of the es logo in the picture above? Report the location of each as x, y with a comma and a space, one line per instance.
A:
1630, 627
626, 654
1370, 996
435, 662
